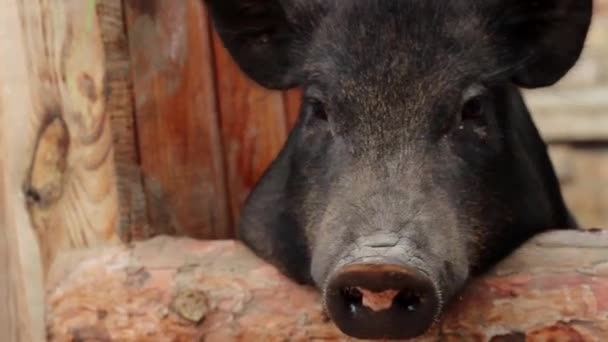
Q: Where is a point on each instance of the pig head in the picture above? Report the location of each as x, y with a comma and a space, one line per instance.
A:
414, 163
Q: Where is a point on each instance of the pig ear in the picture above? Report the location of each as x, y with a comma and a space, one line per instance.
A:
264, 36
547, 37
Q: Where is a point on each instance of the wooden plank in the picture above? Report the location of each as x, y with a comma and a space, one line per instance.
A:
50, 73
61, 154
178, 131
253, 126
119, 107
554, 288
293, 99
583, 173
21, 280
571, 115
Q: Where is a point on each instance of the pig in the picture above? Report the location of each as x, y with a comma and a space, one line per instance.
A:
414, 164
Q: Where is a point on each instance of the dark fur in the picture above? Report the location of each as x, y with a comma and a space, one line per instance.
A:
393, 158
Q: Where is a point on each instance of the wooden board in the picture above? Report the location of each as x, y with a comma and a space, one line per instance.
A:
21, 280
119, 108
57, 181
177, 122
61, 155
253, 126
583, 173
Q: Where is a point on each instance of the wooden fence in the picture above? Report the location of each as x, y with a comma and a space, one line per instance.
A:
205, 133
121, 120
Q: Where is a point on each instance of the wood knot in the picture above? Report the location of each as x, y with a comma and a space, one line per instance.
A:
191, 305
45, 184
86, 85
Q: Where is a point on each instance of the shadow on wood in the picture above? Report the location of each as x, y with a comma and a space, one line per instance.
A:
556, 286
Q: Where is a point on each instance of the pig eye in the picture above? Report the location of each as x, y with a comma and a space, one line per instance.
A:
472, 109
318, 110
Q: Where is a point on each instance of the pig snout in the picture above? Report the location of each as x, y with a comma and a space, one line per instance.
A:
377, 300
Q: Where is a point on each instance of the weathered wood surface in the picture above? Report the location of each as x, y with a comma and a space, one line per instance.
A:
70, 188
583, 173
253, 126
206, 133
177, 120
119, 108
554, 289
56, 171
59, 171
21, 288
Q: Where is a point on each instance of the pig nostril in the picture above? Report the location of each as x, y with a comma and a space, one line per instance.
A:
352, 295
408, 301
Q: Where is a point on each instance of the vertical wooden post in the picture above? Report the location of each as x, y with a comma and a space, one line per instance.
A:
21, 279
59, 169
120, 109
21, 286
177, 122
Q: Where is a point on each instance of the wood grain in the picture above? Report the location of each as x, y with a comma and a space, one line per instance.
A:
554, 288
120, 109
177, 122
57, 173
58, 128
253, 124
583, 173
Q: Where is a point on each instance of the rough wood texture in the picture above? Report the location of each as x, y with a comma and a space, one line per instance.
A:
56, 169
59, 124
119, 108
554, 289
583, 172
177, 124
253, 126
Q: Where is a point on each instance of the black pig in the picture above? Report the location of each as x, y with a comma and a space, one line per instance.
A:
414, 163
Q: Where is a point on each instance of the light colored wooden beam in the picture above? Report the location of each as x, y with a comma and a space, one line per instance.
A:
60, 169
21, 287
